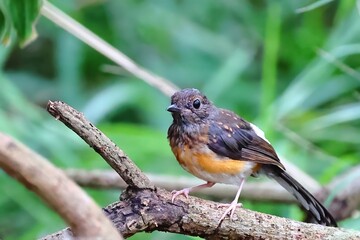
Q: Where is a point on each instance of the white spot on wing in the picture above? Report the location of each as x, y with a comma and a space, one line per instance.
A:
259, 132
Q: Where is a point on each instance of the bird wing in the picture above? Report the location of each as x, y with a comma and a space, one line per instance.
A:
240, 141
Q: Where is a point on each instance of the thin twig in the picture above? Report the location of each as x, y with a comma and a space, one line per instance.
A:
82, 214
304, 143
312, 6
75, 28
339, 64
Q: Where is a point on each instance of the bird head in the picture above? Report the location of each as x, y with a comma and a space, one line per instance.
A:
189, 106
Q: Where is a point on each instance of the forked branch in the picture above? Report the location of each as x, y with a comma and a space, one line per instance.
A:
145, 208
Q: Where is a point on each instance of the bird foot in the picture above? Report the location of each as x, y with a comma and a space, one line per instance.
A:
230, 209
184, 192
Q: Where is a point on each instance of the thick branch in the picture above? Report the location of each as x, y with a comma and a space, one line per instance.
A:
343, 202
111, 153
148, 210
51, 184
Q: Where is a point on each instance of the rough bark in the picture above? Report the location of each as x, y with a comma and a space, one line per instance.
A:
149, 210
343, 202
56, 189
144, 208
111, 153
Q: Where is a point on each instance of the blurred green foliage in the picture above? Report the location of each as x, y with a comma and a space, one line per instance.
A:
295, 74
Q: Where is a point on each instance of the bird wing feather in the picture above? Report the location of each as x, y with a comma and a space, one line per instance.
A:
240, 141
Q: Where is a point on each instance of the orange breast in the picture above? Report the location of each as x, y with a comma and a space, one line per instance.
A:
207, 165
212, 164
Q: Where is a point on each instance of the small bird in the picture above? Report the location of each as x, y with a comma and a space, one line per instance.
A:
218, 146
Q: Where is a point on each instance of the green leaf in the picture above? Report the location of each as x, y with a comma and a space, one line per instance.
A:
5, 26
338, 115
269, 67
18, 16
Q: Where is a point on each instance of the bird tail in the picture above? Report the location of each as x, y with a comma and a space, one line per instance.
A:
305, 198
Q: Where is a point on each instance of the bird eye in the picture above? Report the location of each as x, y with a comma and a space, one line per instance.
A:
196, 103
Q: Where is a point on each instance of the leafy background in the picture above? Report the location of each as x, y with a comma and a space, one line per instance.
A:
292, 71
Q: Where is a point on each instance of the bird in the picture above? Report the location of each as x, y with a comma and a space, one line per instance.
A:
218, 146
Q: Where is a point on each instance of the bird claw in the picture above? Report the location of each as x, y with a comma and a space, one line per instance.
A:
184, 192
231, 209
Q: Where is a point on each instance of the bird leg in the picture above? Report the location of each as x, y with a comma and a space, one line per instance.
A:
186, 191
232, 206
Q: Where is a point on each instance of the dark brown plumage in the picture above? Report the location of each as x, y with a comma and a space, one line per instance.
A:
218, 146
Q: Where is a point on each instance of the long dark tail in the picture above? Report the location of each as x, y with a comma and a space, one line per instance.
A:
306, 199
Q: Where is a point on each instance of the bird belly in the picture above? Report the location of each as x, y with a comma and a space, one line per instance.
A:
207, 165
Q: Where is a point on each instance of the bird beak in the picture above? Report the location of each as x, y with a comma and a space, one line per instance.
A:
173, 108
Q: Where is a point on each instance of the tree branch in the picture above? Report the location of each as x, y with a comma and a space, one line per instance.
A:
343, 203
111, 153
149, 210
57, 190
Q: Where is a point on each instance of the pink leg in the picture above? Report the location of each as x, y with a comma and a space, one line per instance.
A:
186, 191
232, 206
